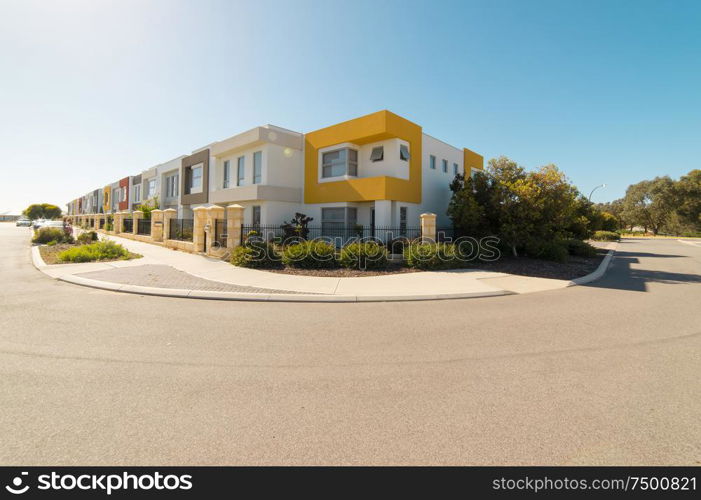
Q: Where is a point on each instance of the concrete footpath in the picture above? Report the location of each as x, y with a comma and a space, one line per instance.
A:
168, 272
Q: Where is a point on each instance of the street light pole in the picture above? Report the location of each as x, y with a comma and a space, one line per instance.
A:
597, 187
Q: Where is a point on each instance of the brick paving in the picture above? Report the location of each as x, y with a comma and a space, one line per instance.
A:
160, 276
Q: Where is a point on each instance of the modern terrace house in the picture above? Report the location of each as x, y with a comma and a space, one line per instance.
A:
377, 170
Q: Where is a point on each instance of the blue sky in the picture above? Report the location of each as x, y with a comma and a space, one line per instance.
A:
91, 91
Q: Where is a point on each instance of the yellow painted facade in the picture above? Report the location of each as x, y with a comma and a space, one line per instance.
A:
106, 198
366, 129
472, 160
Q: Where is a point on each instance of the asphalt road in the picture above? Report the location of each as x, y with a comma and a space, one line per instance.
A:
600, 374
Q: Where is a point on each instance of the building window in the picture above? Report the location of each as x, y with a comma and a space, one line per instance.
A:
196, 179
137, 192
444, 164
151, 188
257, 167
404, 152
378, 153
256, 215
402, 220
241, 163
227, 173
172, 186
432, 162
455, 169
339, 163
338, 221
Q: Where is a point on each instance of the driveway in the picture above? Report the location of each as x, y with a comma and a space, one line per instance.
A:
606, 373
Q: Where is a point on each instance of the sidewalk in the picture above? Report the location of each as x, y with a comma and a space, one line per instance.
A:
168, 272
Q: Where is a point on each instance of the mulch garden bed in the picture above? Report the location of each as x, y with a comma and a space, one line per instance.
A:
50, 253
575, 267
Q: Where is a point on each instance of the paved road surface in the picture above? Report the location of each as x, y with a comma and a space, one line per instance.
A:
601, 374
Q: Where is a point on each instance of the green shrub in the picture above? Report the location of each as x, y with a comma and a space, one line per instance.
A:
46, 234
315, 254
432, 256
555, 250
255, 254
580, 248
605, 236
51, 243
87, 237
365, 255
101, 250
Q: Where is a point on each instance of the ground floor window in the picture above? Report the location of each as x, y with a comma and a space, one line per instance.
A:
335, 220
402, 220
255, 217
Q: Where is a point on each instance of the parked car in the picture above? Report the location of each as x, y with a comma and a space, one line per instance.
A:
23, 223
38, 223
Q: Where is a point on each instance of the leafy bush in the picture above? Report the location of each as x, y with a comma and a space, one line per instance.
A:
51, 243
580, 248
296, 229
46, 234
315, 254
101, 250
556, 250
86, 237
365, 255
605, 236
432, 256
255, 254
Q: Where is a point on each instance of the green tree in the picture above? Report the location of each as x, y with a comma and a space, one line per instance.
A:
650, 203
42, 211
689, 193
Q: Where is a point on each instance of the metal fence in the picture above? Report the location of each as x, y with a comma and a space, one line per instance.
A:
220, 232
102, 222
181, 229
144, 227
445, 234
340, 234
128, 225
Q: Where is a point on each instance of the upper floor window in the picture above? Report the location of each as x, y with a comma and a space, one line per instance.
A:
257, 167
241, 165
339, 163
404, 152
227, 174
444, 164
196, 179
151, 188
455, 169
432, 162
378, 153
137, 192
172, 186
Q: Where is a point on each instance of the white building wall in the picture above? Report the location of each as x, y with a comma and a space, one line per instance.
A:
435, 195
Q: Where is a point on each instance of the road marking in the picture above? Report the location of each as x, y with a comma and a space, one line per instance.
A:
692, 243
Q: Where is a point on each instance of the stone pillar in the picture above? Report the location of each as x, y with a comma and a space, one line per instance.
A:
168, 214
234, 221
198, 234
213, 213
117, 223
157, 225
428, 228
97, 221
136, 215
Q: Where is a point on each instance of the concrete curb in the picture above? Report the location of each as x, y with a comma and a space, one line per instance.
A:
600, 271
297, 297
267, 297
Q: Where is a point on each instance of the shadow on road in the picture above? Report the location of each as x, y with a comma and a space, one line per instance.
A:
622, 276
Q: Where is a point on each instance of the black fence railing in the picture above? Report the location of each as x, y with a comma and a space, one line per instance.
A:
102, 222
92, 223
445, 234
220, 232
339, 234
144, 227
181, 229
127, 225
